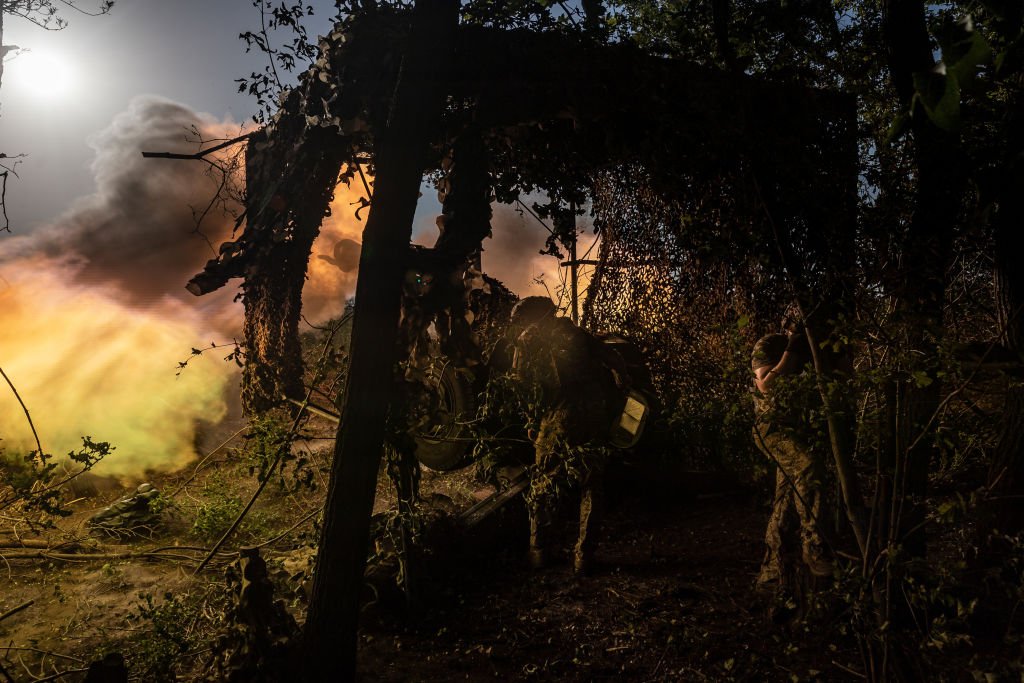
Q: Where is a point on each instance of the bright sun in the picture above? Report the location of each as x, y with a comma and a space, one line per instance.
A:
42, 74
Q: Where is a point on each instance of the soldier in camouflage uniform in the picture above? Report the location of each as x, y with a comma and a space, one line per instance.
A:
781, 430
559, 364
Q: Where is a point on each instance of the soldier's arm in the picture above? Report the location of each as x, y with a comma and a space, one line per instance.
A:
791, 362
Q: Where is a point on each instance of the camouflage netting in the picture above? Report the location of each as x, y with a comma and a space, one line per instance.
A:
687, 309
691, 270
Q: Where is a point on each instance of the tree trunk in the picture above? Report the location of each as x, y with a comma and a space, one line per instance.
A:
273, 293
330, 635
1004, 511
925, 257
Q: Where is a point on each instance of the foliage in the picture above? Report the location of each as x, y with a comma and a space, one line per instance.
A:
295, 51
156, 653
34, 483
268, 452
868, 212
47, 13
168, 630
219, 508
215, 515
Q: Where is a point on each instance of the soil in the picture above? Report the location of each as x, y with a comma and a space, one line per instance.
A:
672, 597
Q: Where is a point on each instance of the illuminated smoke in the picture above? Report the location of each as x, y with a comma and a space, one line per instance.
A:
93, 313
94, 317
86, 363
512, 256
333, 266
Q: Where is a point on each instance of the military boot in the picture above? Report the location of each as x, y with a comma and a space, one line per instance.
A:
818, 560
537, 557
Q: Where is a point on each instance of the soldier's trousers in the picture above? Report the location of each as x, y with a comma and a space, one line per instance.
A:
795, 527
555, 471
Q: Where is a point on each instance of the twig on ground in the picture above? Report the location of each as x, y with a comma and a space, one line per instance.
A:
10, 648
19, 608
292, 528
61, 674
849, 670
36, 543
156, 554
202, 462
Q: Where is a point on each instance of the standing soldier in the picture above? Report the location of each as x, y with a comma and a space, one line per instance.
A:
783, 400
559, 367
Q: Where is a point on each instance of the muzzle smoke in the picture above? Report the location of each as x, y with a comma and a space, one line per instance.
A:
93, 315
513, 256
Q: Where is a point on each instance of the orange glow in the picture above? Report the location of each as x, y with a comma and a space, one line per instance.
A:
328, 285
86, 364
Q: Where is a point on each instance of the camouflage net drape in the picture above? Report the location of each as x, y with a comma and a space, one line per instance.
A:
692, 265
684, 279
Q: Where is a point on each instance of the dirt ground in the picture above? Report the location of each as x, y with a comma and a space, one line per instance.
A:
672, 598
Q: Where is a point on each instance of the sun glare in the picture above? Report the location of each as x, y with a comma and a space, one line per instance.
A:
41, 74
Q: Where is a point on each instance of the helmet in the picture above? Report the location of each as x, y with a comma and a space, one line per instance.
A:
792, 318
532, 310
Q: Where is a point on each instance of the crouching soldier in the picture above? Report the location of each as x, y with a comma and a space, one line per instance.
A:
560, 371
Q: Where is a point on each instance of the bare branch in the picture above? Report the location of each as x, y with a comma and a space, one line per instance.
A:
198, 155
32, 426
19, 608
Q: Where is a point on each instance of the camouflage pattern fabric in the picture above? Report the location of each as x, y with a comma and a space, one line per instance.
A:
793, 532
563, 458
579, 399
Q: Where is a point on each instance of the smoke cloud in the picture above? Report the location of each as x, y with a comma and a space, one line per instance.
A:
93, 312
513, 256
94, 317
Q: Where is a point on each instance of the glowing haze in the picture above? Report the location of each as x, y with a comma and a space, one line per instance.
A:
94, 317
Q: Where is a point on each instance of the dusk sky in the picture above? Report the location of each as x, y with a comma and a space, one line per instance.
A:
186, 51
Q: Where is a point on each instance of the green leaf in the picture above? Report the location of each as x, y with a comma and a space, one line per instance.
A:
921, 378
939, 95
898, 127
963, 50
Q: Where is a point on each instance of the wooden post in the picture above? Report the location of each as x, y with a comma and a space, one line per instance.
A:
330, 635
573, 268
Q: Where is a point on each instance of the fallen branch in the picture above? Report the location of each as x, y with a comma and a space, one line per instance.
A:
36, 543
45, 653
155, 553
292, 528
60, 674
202, 462
19, 608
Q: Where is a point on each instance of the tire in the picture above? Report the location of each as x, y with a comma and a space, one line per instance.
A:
447, 445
